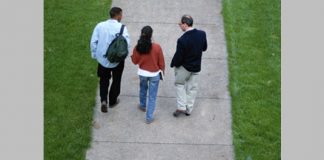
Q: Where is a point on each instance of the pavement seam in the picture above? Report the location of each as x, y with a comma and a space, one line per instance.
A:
165, 143
216, 98
209, 58
166, 23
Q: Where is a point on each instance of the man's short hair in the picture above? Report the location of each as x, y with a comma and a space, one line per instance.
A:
186, 19
115, 11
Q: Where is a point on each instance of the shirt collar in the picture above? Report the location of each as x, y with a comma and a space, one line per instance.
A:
190, 29
112, 20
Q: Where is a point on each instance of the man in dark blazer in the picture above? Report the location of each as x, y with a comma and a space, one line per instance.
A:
187, 63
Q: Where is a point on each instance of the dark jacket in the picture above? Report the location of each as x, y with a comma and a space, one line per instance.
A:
189, 50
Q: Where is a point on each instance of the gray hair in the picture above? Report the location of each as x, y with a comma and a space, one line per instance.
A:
187, 19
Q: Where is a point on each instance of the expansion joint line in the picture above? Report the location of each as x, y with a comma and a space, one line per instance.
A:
166, 23
167, 143
217, 98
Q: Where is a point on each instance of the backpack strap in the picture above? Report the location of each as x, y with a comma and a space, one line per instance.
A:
121, 30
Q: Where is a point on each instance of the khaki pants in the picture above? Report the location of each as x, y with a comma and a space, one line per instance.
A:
186, 85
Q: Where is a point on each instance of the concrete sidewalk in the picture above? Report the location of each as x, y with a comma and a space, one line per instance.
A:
122, 134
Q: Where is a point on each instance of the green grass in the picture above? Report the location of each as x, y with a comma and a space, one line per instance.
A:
253, 40
70, 75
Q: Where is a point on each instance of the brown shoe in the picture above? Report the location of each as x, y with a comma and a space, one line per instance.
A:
113, 105
178, 112
104, 108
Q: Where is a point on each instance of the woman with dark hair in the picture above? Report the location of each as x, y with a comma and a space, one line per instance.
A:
149, 57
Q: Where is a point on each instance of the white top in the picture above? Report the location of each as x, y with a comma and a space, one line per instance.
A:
103, 34
146, 73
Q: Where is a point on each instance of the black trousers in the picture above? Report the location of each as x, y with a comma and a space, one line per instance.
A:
105, 74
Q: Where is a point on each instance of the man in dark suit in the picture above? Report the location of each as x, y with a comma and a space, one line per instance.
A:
187, 63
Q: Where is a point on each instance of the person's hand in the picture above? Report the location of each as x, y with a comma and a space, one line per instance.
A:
93, 56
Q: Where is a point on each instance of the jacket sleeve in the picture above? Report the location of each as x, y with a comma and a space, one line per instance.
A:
161, 60
178, 56
205, 42
134, 56
94, 41
126, 35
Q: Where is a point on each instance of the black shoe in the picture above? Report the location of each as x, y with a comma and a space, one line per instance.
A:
113, 105
149, 121
141, 108
104, 107
187, 113
178, 112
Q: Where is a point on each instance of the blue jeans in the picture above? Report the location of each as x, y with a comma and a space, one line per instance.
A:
152, 84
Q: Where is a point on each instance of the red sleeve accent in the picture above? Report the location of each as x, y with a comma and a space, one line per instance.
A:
161, 59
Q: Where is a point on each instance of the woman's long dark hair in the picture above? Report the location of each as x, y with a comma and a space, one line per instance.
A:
144, 44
